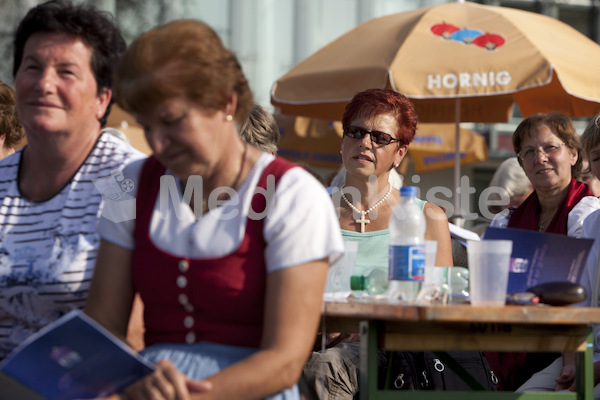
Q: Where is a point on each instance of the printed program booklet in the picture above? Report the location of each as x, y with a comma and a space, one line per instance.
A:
539, 257
73, 358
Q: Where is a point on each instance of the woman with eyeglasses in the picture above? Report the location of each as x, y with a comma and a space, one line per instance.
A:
549, 152
378, 127
561, 374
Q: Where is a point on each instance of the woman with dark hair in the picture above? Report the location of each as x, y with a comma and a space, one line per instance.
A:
64, 57
232, 275
549, 152
561, 374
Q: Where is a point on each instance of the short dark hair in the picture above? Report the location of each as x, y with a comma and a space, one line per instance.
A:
94, 27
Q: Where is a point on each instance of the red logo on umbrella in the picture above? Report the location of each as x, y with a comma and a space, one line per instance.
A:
489, 41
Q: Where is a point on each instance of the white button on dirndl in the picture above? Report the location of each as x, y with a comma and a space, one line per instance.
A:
183, 299
190, 338
181, 281
184, 265
188, 321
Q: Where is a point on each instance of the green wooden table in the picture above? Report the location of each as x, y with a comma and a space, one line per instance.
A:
465, 328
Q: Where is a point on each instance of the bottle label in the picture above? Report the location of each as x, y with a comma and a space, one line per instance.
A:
407, 263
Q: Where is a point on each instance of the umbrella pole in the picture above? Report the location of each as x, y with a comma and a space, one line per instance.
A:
457, 215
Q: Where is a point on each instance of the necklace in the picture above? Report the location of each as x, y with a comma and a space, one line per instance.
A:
205, 206
362, 220
544, 222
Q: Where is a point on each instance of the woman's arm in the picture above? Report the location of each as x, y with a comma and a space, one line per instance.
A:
111, 293
437, 229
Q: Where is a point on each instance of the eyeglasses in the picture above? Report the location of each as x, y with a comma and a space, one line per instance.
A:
381, 138
529, 154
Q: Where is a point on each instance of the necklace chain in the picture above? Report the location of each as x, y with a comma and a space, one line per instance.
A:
544, 222
362, 221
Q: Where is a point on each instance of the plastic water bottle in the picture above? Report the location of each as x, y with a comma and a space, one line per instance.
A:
407, 247
375, 281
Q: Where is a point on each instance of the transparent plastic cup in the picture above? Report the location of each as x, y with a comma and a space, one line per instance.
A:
338, 275
489, 262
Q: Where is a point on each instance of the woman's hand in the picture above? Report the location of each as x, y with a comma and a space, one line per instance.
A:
165, 383
335, 338
566, 379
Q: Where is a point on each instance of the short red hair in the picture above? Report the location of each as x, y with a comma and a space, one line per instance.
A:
374, 102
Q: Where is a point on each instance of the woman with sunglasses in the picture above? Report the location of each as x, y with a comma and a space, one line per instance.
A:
549, 152
378, 127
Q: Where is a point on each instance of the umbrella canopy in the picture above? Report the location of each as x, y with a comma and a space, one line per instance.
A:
488, 57
317, 143
457, 62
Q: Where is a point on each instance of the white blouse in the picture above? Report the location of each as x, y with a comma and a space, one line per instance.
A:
300, 226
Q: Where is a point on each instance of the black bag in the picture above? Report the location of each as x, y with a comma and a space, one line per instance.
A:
408, 370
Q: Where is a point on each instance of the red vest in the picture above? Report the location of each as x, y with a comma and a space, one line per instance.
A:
188, 300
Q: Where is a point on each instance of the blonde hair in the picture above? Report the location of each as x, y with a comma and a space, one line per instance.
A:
511, 177
260, 130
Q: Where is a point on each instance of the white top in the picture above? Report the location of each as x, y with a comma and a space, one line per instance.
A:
48, 249
300, 226
585, 207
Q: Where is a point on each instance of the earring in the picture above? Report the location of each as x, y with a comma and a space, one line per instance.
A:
229, 118
396, 165
340, 151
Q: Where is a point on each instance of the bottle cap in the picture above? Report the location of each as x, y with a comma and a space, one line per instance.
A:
357, 282
408, 191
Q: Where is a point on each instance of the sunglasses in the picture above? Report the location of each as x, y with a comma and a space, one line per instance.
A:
377, 137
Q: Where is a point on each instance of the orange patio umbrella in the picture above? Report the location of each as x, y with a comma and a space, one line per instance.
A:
457, 62
488, 57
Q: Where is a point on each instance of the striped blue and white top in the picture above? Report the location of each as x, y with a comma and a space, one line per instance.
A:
48, 249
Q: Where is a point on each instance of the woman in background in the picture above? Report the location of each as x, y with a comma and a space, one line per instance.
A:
560, 375
11, 130
378, 126
548, 149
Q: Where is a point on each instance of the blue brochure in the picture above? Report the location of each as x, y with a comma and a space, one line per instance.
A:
539, 257
74, 358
